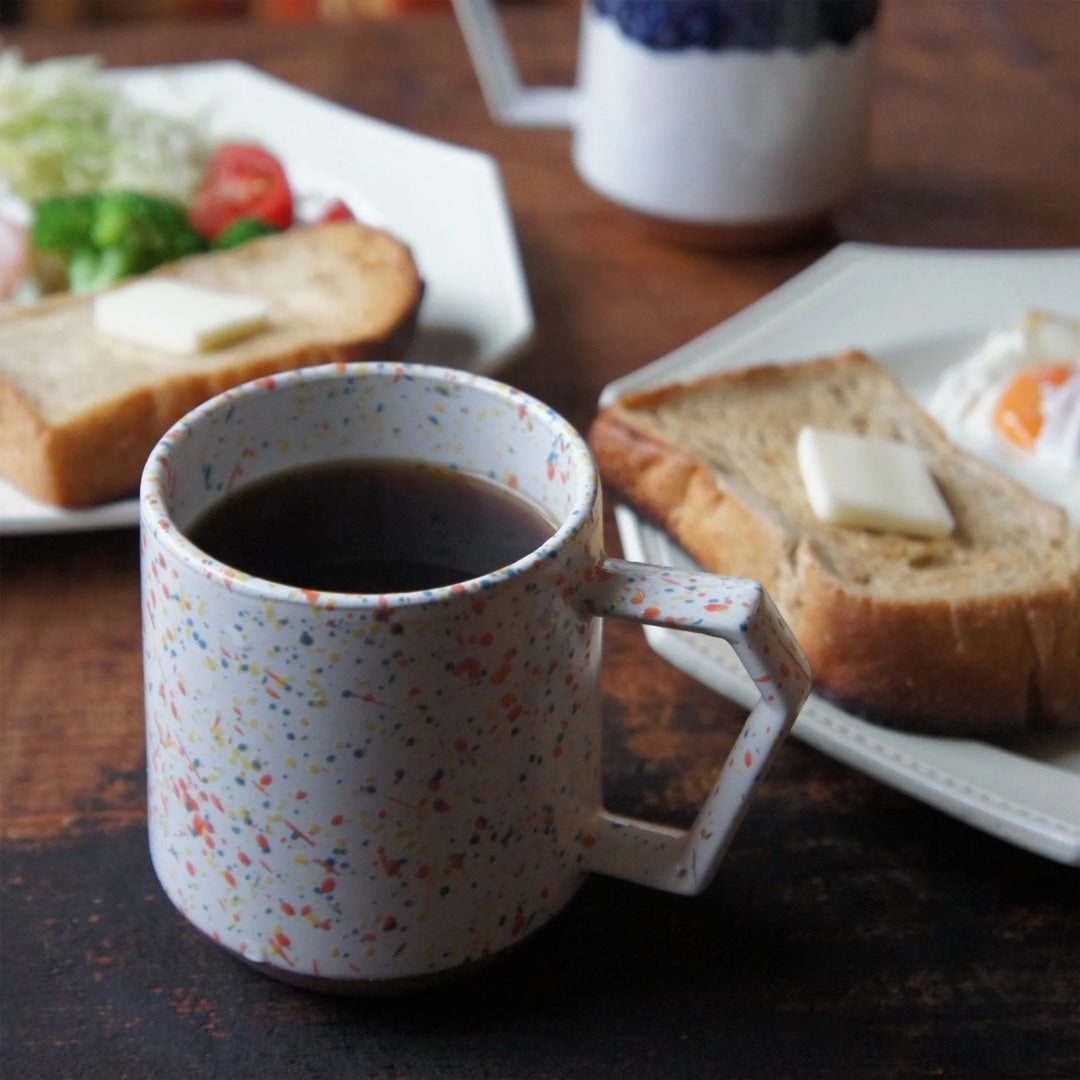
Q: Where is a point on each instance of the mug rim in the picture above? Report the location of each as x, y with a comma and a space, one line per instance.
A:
155, 514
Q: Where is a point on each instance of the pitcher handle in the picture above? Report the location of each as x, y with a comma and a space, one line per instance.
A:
508, 101
742, 613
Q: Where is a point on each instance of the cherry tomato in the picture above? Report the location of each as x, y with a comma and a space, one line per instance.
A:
337, 210
243, 180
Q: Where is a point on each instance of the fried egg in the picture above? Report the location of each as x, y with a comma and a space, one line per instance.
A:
1015, 402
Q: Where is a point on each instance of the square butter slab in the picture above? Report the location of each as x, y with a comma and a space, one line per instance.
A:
862, 481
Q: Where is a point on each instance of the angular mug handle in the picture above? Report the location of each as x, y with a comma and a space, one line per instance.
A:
508, 101
742, 613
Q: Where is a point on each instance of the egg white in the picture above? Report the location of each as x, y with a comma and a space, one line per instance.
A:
963, 403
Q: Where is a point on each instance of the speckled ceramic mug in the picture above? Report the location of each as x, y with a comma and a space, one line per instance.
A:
361, 792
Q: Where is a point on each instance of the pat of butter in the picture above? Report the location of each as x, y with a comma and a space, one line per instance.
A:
866, 482
177, 317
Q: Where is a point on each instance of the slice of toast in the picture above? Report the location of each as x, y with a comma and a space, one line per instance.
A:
80, 411
974, 633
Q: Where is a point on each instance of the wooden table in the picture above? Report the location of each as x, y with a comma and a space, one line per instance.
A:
853, 932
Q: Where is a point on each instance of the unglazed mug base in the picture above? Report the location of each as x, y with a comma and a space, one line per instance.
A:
391, 987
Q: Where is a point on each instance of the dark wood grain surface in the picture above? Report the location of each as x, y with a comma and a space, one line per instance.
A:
852, 932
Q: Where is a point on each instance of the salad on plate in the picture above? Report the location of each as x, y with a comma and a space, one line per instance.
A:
95, 188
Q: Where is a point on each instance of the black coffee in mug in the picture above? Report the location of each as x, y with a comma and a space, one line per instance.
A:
370, 526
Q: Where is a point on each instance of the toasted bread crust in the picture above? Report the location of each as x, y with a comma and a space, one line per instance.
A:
987, 649
337, 293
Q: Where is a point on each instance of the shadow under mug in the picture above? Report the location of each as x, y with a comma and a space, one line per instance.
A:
364, 792
731, 124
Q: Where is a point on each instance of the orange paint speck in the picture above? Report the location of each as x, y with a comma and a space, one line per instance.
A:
391, 867
470, 666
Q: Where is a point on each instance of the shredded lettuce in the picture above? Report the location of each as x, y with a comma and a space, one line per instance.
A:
64, 130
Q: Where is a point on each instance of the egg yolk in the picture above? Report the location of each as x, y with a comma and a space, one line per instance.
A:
1018, 414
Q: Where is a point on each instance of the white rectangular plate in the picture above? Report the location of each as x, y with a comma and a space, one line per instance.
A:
447, 202
916, 311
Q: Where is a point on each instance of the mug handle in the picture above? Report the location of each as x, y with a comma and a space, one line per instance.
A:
742, 613
508, 101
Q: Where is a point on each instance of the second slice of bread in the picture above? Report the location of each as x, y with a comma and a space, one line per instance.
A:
975, 633
80, 411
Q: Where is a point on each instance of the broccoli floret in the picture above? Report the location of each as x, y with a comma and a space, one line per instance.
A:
106, 237
89, 269
242, 230
150, 229
63, 223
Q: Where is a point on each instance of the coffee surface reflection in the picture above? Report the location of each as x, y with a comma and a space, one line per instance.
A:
370, 526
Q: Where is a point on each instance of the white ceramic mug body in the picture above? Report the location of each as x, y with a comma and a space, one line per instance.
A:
734, 136
369, 790
743, 115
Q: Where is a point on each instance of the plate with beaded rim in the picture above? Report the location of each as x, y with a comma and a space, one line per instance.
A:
916, 311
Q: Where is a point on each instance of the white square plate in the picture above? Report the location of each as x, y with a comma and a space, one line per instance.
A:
916, 311
447, 202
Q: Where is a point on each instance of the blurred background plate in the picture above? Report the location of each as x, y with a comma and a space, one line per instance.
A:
447, 202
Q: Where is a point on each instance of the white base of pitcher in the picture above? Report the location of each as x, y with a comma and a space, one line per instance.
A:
722, 139
742, 238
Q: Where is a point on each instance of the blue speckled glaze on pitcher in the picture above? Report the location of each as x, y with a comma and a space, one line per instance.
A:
753, 25
371, 789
